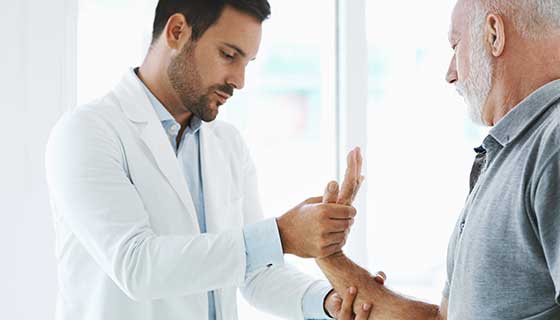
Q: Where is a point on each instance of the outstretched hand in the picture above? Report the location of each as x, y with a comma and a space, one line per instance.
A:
334, 304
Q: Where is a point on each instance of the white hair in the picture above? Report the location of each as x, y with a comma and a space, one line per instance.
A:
533, 19
476, 85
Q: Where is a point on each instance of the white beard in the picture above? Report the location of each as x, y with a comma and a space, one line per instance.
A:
476, 86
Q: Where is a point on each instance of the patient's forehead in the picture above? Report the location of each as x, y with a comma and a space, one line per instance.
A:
459, 20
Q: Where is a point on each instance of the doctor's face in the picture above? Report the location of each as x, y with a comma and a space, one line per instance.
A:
207, 71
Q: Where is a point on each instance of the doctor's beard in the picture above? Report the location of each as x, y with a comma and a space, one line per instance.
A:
186, 80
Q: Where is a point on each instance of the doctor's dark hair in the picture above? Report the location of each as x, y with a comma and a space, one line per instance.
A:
202, 14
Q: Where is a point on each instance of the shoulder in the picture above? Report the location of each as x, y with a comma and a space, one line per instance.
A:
91, 123
547, 146
549, 137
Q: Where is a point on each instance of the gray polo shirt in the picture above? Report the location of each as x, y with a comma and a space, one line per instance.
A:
503, 260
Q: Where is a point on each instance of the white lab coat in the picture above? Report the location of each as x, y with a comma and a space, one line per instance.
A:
127, 238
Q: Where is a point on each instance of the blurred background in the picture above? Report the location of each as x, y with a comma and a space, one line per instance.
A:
330, 75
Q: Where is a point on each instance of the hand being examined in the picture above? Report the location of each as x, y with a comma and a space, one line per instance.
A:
343, 273
318, 227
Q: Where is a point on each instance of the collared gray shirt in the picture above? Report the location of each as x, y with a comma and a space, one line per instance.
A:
503, 260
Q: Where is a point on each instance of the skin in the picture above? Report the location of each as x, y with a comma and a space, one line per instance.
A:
196, 77
347, 312
521, 66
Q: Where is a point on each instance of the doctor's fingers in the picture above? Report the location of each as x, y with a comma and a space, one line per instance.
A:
336, 211
312, 200
364, 312
336, 238
346, 311
338, 225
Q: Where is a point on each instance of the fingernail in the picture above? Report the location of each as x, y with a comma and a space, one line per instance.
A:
366, 306
333, 186
351, 290
382, 275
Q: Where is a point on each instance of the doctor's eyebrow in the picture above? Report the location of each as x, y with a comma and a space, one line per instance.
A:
236, 48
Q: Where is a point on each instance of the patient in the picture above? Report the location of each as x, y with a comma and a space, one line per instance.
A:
504, 255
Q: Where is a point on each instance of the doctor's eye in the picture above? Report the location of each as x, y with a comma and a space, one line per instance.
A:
227, 56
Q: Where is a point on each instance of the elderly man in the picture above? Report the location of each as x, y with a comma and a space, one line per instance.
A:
504, 254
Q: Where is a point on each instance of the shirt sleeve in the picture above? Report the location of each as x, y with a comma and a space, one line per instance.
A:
547, 211
263, 248
314, 301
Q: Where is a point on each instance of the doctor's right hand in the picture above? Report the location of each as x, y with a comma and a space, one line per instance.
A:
314, 229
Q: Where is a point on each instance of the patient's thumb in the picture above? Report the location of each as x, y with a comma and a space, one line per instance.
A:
331, 192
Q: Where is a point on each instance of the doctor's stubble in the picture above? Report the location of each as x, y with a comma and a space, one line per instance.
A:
186, 80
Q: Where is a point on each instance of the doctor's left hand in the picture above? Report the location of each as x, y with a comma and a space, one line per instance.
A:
334, 303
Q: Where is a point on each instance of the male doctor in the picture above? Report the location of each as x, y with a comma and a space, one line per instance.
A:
155, 204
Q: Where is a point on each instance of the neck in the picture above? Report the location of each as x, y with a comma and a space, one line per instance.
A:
153, 73
528, 66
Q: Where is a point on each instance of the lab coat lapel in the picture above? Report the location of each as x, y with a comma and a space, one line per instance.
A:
138, 109
217, 180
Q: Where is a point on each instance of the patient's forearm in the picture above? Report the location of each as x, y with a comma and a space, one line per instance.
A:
343, 273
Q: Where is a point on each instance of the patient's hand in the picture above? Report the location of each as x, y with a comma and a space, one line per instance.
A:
343, 272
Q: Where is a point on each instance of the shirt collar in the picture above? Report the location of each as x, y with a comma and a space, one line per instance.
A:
162, 113
525, 113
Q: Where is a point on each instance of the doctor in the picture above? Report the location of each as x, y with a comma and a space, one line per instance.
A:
155, 204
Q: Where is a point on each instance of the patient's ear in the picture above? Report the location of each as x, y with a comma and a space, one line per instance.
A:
495, 34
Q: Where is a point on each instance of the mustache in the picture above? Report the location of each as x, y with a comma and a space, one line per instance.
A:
460, 88
225, 88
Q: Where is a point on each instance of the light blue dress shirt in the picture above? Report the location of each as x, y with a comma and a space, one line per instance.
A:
262, 239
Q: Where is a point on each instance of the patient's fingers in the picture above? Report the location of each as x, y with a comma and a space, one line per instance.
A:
331, 192
352, 178
358, 172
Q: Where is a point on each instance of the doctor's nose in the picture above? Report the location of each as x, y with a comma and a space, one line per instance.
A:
237, 79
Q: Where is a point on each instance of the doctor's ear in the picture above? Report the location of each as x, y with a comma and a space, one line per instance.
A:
177, 31
495, 34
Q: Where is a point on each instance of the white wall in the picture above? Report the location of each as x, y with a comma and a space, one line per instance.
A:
36, 84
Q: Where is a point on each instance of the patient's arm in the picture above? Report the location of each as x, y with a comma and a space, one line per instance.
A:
343, 273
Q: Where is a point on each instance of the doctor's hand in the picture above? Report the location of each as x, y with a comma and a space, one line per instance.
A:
314, 229
347, 313
334, 304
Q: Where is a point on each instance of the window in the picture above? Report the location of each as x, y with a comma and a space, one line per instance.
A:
419, 145
287, 111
